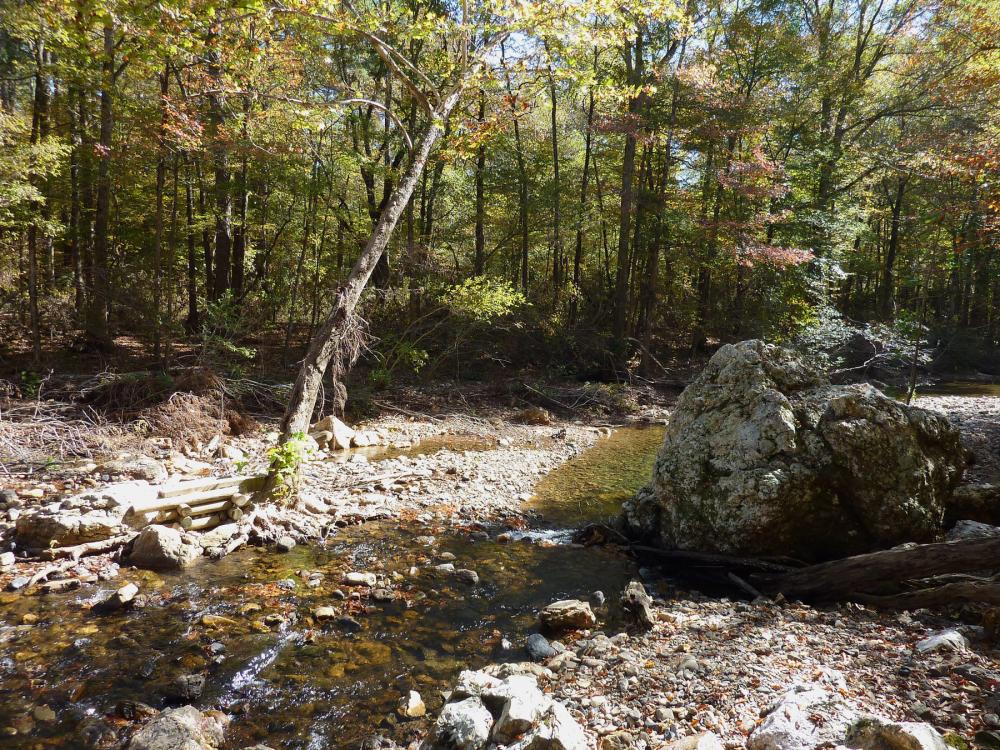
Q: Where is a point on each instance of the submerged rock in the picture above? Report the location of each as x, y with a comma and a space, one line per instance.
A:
763, 456
184, 728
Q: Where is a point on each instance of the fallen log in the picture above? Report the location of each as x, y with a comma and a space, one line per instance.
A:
980, 592
879, 573
711, 560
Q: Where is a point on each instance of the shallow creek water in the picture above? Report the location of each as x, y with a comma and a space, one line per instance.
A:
288, 681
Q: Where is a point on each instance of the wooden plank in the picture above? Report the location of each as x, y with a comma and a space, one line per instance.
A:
245, 484
206, 508
199, 523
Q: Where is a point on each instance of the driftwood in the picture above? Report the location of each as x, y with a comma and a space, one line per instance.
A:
77, 551
982, 592
907, 577
878, 573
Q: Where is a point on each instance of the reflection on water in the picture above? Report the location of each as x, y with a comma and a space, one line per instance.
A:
286, 680
960, 389
592, 486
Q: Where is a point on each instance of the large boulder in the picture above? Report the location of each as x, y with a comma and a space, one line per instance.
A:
91, 516
763, 456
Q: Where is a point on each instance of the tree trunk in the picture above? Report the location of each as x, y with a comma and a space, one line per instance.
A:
479, 261
634, 64
220, 165
876, 572
557, 250
192, 323
886, 298
161, 179
100, 299
333, 343
39, 128
581, 219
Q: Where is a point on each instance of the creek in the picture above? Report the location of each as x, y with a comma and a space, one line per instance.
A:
291, 682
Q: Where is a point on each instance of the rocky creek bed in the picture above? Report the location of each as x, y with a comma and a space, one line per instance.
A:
317, 647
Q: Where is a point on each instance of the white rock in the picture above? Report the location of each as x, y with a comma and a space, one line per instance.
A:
703, 741
184, 728
473, 684
342, 434
792, 723
946, 640
523, 705
464, 725
556, 730
412, 705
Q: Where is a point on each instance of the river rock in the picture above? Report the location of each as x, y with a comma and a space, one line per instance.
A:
62, 528
538, 647
285, 543
703, 741
161, 548
803, 718
7, 560
138, 467
966, 529
873, 733
464, 725
556, 730
184, 728
523, 705
568, 614
946, 640
763, 456
340, 434
359, 579
189, 687
412, 705
119, 599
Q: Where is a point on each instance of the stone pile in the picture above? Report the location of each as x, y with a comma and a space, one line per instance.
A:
485, 711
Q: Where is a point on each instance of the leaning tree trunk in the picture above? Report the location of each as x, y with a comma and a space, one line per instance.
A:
336, 340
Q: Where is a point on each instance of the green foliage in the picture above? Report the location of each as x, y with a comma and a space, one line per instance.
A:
482, 299
284, 461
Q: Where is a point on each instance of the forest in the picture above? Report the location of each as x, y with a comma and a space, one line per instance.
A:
500, 374
612, 183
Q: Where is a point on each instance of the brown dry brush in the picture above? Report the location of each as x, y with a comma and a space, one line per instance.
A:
83, 417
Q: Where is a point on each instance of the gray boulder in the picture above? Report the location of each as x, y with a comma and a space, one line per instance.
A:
161, 548
763, 456
184, 728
